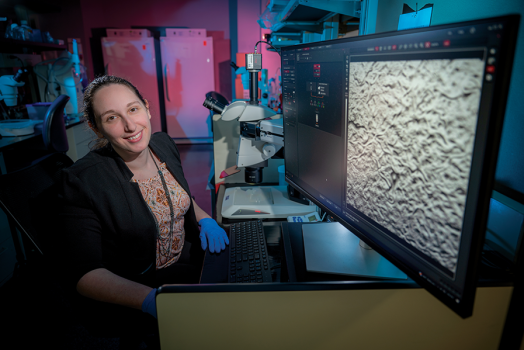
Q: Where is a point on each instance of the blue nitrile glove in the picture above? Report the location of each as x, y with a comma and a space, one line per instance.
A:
149, 303
214, 234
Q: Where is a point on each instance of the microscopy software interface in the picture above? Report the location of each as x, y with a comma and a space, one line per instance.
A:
382, 131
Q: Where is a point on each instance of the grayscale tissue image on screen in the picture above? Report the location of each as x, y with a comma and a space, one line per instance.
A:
411, 128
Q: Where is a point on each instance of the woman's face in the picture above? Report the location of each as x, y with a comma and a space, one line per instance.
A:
123, 120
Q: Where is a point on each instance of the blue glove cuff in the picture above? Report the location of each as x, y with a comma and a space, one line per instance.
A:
205, 221
149, 303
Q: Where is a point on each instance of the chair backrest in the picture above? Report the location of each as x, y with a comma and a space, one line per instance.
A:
53, 131
30, 197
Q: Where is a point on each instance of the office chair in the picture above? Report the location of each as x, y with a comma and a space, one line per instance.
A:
54, 131
29, 197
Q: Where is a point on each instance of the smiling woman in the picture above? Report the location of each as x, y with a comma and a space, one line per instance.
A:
129, 223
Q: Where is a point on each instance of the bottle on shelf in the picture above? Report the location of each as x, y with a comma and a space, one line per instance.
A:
27, 31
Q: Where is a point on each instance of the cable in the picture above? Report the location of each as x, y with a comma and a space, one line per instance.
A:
265, 42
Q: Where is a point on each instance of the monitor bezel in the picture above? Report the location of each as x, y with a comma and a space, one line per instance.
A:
488, 167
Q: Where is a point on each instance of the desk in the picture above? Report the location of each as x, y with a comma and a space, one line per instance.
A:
77, 138
314, 311
7, 142
321, 314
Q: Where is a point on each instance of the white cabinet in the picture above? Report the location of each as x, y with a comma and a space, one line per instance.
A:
130, 54
188, 75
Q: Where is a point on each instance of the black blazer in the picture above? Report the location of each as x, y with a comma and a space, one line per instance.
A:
106, 221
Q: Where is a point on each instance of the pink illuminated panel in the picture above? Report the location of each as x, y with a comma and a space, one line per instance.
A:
133, 58
188, 74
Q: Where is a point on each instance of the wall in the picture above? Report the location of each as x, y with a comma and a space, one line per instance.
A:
209, 14
248, 29
270, 59
65, 24
510, 167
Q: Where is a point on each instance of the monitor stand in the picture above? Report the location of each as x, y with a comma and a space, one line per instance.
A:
331, 248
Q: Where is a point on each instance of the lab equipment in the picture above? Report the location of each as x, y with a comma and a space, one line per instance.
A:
264, 88
9, 85
375, 128
213, 235
62, 76
26, 31
311, 217
261, 202
248, 258
18, 127
260, 139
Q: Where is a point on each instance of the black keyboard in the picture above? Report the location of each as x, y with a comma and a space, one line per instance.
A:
248, 259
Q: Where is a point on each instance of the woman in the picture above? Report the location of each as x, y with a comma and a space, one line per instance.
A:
123, 235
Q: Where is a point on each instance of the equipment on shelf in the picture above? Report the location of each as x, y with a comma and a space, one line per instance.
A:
9, 85
62, 76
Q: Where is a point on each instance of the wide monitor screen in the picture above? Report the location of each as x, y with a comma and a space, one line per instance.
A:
396, 135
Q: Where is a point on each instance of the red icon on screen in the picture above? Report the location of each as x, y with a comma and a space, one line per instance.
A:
394, 47
316, 66
427, 44
490, 69
376, 48
446, 43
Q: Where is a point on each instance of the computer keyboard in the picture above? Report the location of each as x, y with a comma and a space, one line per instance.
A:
248, 258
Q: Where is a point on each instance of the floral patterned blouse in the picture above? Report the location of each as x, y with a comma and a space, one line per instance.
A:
153, 193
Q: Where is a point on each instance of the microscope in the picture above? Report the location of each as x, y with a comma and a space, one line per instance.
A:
9, 85
261, 138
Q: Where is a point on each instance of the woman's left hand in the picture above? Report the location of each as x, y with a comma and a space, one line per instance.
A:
213, 234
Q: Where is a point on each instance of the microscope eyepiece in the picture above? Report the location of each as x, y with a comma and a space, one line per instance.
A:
213, 105
19, 75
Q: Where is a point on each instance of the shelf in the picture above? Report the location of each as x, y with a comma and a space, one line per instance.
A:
20, 46
311, 16
318, 10
297, 27
277, 5
300, 16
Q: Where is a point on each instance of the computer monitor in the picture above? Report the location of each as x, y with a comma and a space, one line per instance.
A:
396, 136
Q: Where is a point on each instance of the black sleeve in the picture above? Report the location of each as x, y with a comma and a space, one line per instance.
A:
81, 231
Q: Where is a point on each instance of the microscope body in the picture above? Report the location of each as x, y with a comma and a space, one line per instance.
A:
261, 129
